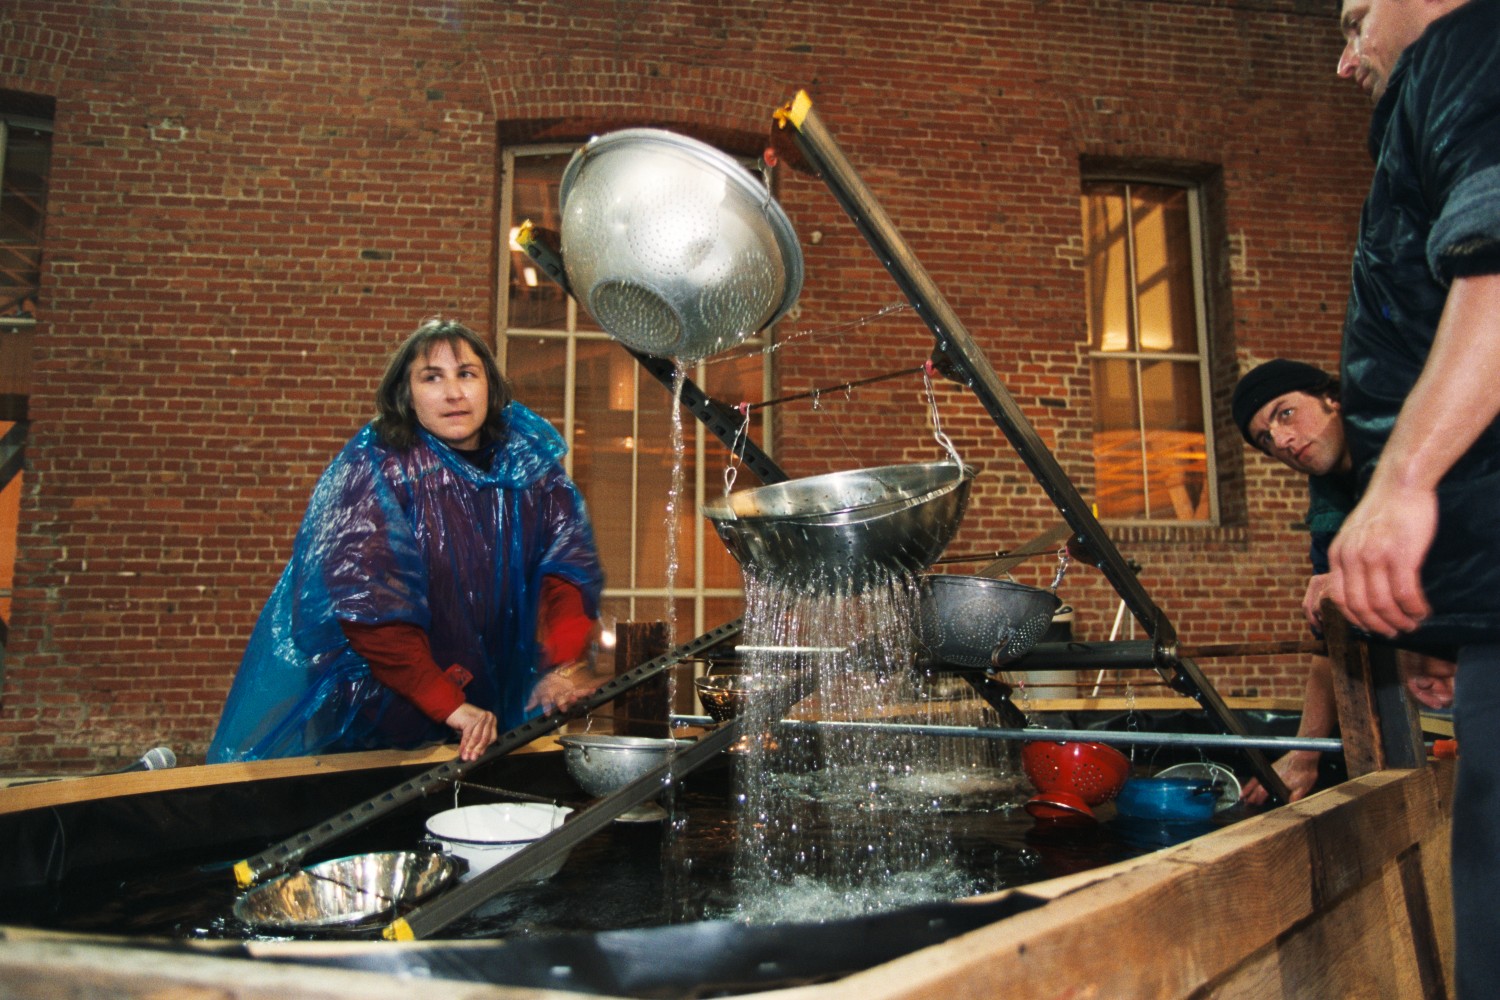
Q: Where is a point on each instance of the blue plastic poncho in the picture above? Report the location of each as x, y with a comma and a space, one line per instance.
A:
422, 537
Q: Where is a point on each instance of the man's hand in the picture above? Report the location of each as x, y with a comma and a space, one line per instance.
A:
477, 729
1298, 770
1429, 679
1377, 559
1312, 603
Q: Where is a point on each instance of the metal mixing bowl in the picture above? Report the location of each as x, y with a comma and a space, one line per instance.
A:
674, 248
603, 763
978, 622
723, 695
347, 893
840, 533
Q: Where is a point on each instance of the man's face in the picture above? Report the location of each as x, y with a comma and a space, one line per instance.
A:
1303, 432
1376, 32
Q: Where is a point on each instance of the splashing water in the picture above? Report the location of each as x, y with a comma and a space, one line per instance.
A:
840, 822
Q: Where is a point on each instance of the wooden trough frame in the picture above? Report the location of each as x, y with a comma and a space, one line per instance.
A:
1343, 894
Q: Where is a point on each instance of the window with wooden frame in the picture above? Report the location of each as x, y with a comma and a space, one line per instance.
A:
1147, 352
25, 161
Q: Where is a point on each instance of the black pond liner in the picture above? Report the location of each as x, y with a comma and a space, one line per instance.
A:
130, 865
702, 959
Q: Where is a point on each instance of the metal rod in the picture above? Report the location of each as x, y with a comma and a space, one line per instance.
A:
1031, 735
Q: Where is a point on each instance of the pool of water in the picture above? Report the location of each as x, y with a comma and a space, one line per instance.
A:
632, 875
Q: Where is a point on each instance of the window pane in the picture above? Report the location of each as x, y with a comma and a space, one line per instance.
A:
1118, 475
1165, 314
26, 154
536, 302
536, 367
619, 421
1106, 274
603, 449
1150, 444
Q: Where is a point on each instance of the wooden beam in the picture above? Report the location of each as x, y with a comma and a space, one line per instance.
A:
1379, 724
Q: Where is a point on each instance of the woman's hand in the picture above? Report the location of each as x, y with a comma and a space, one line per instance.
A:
562, 688
477, 729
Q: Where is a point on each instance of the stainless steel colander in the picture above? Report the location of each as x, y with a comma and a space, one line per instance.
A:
844, 532
674, 248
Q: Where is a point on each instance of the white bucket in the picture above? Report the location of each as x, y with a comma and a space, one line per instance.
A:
486, 835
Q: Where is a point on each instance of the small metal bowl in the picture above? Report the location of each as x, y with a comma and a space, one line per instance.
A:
723, 695
843, 532
674, 248
602, 763
346, 894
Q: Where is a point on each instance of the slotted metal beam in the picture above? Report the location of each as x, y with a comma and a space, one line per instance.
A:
822, 153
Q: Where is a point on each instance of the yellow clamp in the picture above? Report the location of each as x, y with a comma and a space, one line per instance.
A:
243, 876
794, 111
398, 931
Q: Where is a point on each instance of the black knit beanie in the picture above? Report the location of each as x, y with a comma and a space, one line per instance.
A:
1265, 382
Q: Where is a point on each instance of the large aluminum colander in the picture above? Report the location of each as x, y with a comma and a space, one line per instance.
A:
843, 532
674, 248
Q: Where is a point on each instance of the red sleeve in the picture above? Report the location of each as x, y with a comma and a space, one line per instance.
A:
400, 657
564, 626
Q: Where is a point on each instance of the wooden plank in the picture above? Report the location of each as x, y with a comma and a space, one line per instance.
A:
641, 711
60, 791
1379, 724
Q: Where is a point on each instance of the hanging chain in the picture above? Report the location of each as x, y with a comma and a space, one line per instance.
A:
732, 470
937, 424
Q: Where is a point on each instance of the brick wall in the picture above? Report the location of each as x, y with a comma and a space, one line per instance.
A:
251, 203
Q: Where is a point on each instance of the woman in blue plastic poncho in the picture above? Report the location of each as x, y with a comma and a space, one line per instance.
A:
444, 580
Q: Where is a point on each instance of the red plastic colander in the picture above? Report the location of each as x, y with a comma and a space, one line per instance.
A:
1073, 776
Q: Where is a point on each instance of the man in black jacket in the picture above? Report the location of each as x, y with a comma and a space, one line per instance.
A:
1418, 559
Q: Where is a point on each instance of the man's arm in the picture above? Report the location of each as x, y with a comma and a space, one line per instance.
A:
1377, 556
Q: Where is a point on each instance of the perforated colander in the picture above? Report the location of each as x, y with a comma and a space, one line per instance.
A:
980, 623
674, 248
1092, 771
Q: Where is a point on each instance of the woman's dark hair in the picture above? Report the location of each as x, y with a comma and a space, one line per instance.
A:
395, 418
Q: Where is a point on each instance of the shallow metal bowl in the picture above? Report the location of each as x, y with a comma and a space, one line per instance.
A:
672, 246
840, 533
347, 893
602, 763
978, 622
723, 695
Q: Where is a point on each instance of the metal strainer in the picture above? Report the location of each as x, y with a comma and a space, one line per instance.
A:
980, 623
674, 248
846, 531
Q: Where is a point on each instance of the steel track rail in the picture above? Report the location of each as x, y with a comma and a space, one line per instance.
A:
283, 856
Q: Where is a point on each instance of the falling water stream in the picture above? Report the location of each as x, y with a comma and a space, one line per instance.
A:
839, 823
